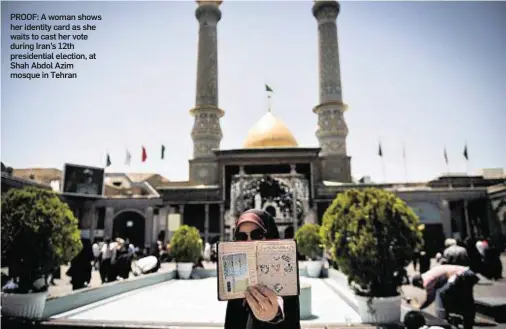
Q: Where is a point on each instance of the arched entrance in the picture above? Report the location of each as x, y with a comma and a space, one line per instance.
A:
130, 225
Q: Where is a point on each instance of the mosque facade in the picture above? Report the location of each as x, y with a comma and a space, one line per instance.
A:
271, 172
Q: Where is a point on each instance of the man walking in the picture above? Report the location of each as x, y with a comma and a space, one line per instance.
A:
451, 286
105, 260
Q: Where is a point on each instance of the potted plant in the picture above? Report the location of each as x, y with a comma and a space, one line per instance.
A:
372, 235
310, 245
39, 233
186, 247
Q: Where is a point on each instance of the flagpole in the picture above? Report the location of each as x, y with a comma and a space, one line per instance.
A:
405, 162
384, 170
445, 154
380, 153
468, 165
269, 92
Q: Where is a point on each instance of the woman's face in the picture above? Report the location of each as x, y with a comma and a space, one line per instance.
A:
249, 231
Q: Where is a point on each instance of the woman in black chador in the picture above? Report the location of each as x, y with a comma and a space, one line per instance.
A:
261, 309
80, 266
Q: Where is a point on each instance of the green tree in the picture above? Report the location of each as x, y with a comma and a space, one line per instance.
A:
371, 234
309, 242
186, 244
39, 232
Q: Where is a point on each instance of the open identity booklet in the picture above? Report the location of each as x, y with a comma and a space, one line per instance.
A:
244, 264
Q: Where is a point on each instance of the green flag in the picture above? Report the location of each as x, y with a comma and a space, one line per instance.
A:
268, 89
108, 161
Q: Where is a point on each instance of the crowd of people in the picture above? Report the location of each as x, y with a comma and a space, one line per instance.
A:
450, 283
114, 259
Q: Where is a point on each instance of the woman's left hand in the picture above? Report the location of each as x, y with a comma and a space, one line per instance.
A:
263, 302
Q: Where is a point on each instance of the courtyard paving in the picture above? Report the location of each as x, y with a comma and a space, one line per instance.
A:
194, 301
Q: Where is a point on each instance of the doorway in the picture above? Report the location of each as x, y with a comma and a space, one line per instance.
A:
130, 225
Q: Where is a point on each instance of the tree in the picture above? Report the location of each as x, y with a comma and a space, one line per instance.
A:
309, 241
39, 232
186, 244
372, 235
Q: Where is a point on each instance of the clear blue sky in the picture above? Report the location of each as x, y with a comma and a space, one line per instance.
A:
427, 74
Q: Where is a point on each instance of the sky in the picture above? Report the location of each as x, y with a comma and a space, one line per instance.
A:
427, 75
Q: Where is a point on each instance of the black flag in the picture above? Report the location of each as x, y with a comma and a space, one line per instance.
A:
163, 152
108, 161
465, 153
380, 151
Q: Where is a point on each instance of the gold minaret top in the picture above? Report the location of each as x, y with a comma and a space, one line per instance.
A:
209, 2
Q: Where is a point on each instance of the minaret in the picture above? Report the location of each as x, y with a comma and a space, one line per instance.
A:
332, 129
206, 132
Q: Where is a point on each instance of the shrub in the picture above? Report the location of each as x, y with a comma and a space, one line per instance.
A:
309, 241
39, 233
371, 234
186, 244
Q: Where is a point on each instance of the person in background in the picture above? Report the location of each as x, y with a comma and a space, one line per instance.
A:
492, 262
207, 252
80, 266
261, 308
200, 261
130, 247
112, 273
96, 254
415, 320
424, 261
123, 259
451, 286
56, 274
105, 260
455, 254
416, 258
475, 262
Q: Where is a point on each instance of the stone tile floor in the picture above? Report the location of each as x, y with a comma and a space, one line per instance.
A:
194, 301
485, 288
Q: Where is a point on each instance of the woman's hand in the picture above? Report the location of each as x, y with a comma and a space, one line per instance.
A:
263, 302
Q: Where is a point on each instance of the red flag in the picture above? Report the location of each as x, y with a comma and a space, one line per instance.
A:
144, 154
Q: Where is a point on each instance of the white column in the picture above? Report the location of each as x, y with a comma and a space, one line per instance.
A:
241, 182
469, 229
446, 218
181, 212
222, 222
293, 172
156, 225
206, 223
162, 222
93, 221
109, 222
148, 226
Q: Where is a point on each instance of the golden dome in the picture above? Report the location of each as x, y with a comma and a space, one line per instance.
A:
269, 131
217, 2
